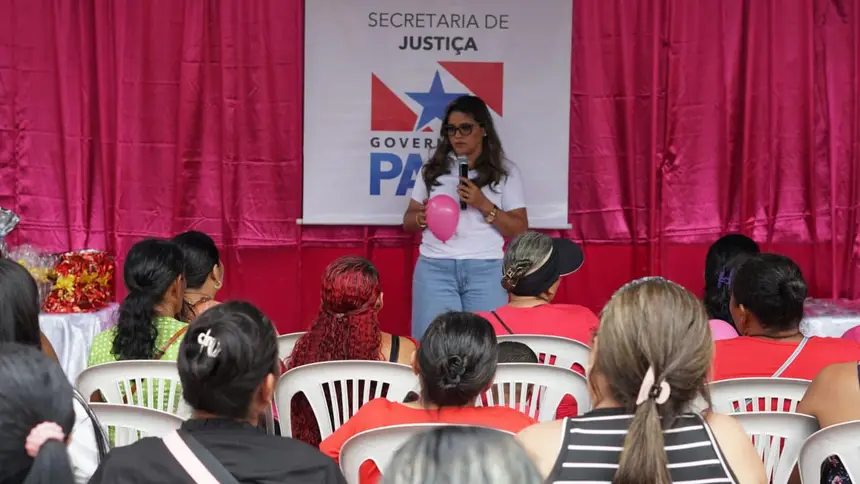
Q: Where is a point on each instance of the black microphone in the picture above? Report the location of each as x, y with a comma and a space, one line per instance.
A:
463, 162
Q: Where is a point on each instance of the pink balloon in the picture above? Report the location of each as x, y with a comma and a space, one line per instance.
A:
443, 215
722, 330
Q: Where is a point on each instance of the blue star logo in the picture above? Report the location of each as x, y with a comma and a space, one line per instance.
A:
434, 102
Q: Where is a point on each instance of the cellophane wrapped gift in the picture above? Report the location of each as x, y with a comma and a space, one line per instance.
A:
40, 264
8, 221
84, 282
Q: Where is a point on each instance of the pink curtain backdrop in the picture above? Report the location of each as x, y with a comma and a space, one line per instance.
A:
127, 118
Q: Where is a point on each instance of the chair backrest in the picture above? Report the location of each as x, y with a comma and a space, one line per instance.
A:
536, 390
563, 352
777, 437
336, 390
379, 446
112, 380
132, 423
757, 394
840, 440
286, 343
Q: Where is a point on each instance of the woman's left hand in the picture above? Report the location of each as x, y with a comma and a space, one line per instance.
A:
471, 194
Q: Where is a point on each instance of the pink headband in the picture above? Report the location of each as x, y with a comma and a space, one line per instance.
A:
40, 434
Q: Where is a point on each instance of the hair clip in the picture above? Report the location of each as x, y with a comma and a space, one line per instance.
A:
210, 343
725, 278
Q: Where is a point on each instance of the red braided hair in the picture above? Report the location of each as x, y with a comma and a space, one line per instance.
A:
345, 328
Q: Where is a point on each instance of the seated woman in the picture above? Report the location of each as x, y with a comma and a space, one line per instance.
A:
19, 311
834, 398
768, 292
649, 362
531, 273
19, 323
461, 455
228, 364
147, 328
204, 273
723, 258
36, 418
455, 362
346, 328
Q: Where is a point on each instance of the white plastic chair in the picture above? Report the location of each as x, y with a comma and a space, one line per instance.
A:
132, 422
286, 343
566, 351
547, 385
842, 440
379, 446
736, 395
111, 379
357, 382
771, 431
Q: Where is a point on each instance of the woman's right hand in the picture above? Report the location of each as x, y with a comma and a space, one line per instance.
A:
421, 215
415, 218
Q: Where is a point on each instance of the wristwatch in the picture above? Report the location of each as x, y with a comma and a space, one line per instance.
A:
492, 215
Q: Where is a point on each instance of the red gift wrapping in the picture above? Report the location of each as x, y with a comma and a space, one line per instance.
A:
84, 283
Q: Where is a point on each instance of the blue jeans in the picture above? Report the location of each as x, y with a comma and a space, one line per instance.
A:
440, 285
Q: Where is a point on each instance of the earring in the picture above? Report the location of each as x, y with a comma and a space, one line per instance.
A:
217, 285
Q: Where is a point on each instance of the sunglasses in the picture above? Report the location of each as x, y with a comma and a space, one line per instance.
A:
465, 129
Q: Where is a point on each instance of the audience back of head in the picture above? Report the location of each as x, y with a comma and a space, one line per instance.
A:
200, 254
461, 455
456, 359
650, 323
233, 375
153, 274
346, 327
516, 352
721, 263
19, 305
526, 253
768, 290
34, 394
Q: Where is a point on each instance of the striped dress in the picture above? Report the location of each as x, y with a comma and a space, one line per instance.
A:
591, 448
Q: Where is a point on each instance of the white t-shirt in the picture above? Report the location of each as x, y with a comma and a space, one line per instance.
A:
83, 450
474, 238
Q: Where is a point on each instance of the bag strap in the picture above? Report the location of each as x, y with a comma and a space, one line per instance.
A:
395, 349
160, 352
791, 358
502, 322
198, 462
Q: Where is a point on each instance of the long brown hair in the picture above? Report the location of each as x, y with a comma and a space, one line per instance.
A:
652, 323
490, 163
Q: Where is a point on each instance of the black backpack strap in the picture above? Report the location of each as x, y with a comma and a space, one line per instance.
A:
502, 322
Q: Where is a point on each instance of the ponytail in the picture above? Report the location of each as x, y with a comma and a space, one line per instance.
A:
51, 465
135, 329
644, 460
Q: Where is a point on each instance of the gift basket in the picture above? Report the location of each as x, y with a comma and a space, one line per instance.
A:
74, 282
84, 282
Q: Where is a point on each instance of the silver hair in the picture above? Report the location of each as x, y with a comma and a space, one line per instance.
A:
461, 455
527, 253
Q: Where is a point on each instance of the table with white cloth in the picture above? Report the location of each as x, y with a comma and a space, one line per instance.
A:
829, 318
72, 336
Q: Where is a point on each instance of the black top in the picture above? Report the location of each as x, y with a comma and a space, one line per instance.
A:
592, 443
247, 452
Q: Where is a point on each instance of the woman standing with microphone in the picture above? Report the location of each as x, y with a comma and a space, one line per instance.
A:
464, 272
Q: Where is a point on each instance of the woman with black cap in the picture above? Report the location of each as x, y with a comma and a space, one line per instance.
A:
531, 273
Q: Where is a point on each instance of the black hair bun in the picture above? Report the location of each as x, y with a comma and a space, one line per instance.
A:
793, 290
454, 369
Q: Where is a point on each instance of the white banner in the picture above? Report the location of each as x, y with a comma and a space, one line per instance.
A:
379, 73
